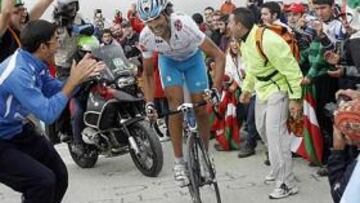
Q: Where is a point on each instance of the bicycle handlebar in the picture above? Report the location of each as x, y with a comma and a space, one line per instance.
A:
194, 106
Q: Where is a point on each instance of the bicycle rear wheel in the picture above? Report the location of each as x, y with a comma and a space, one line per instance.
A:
193, 166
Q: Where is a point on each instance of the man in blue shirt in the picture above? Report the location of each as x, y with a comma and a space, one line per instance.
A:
29, 163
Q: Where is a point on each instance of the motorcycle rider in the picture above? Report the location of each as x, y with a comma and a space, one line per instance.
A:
71, 27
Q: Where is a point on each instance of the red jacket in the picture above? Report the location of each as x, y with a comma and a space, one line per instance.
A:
135, 21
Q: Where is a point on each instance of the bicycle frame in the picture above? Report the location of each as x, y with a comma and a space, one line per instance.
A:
196, 151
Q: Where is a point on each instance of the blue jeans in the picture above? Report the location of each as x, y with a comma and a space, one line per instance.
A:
251, 126
77, 123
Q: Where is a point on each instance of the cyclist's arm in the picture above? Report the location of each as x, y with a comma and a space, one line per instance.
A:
148, 76
5, 13
39, 9
214, 52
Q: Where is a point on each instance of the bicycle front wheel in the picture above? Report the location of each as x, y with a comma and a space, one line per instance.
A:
193, 166
210, 167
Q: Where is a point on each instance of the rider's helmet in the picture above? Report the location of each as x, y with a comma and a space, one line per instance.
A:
65, 12
67, 8
150, 9
66, 4
86, 44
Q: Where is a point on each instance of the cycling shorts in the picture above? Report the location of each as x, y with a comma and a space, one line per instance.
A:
191, 70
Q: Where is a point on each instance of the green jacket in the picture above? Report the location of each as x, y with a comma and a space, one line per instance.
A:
314, 55
280, 58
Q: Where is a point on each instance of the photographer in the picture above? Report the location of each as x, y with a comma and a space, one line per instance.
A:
134, 19
347, 60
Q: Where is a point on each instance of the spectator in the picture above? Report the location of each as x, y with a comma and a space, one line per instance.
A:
118, 19
134, 19
294, 13
13, 17
227, 7
216, 35
274, 99
117, 32
224, 32
199, 20
107, 38
99, 20
329, 32
342, 165
254, 6
130, 41
347, 61
270, 13
208, 13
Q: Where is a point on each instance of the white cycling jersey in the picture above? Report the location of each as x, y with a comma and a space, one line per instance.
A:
185, 40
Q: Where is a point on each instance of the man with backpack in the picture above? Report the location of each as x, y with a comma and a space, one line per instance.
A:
275, 76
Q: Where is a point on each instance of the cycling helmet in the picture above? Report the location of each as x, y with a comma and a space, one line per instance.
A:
150, 9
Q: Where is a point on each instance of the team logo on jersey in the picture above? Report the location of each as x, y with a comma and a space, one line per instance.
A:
158, 41
178, 25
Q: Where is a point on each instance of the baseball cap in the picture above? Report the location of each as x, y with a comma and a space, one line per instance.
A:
295, 8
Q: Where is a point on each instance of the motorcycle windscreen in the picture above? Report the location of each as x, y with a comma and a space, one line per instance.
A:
114, 58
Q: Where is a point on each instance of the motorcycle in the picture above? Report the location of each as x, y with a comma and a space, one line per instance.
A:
115, 116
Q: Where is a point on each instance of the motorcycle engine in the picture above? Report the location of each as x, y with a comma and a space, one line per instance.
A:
90, 136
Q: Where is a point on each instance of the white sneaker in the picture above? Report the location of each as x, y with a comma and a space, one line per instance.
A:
181, 175
270, 177
283, 191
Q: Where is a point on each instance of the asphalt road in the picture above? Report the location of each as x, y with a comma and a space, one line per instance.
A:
116, 180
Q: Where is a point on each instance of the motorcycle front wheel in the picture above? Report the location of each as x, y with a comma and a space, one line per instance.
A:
150, 159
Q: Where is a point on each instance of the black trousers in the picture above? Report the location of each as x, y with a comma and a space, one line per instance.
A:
29, 164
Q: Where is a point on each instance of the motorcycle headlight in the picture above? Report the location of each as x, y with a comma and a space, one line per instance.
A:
134, 69
125, 81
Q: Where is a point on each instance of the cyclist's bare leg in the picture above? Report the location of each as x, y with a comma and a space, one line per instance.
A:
175, 96
202, 118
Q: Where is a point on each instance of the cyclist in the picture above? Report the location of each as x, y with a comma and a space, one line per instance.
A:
179, 43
